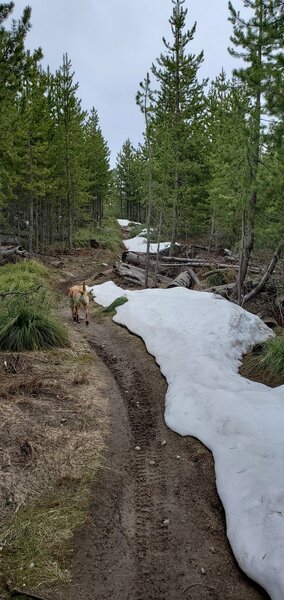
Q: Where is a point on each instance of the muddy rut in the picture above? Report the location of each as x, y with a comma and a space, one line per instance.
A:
156, 527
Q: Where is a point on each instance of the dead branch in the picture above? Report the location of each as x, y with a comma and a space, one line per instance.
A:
2, 294
267, 274
209, 587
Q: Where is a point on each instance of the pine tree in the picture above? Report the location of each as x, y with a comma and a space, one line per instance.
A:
69, 143
129, 181
32, 140
228, 136
97, 161
179, 103
253, 37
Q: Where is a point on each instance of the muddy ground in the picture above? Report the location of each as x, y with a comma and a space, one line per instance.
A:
155, 528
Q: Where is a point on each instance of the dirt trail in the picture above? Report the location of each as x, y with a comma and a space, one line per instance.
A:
156, 527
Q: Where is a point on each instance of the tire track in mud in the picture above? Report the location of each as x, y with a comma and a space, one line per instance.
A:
156, 527
152, 537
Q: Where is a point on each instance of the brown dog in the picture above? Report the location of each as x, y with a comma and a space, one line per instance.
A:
79, 296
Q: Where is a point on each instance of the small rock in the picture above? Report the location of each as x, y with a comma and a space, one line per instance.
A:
152, 462
137, 448
166, 522
163, 443
31, 565
212, 549
202, 570
178, 456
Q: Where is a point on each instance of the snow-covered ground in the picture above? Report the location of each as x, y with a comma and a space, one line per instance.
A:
125, 222
198, 340
139, 242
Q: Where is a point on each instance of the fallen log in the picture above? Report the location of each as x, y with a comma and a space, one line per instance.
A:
184, 279
8, 251
134, 258
131, 274
198, 263
221, 290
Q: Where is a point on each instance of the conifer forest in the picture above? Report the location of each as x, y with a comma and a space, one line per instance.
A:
211, 163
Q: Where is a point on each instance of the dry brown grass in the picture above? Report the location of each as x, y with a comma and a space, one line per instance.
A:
53, 424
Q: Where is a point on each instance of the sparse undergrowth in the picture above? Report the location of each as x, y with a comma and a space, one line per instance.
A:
108, 235
36, 545
53, 451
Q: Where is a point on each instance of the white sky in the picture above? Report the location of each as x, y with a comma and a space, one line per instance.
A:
112, 44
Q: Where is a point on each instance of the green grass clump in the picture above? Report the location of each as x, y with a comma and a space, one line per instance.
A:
271, 359
24, 325
266, 362
111, 309
27, 328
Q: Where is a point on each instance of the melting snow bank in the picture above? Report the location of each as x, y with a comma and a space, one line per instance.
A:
198, 340
125, 222
139, 244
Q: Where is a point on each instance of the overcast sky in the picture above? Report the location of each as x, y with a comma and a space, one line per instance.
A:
112, 44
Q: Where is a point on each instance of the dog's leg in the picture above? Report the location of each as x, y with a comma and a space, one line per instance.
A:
86, 315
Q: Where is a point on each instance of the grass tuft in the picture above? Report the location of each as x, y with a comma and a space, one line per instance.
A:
27, 328
111, 309
266, 362
272, 358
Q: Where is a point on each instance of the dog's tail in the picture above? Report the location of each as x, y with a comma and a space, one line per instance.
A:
84, 286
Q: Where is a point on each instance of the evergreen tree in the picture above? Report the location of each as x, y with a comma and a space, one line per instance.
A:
228, 136
72, 179
97, 161
253, 37
129, 181
32, 165
180, 105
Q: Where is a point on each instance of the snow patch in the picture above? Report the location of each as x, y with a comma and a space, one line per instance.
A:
198, 340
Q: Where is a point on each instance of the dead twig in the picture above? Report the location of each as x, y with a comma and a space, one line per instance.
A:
209, 587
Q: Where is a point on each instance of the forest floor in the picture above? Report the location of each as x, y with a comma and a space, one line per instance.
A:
152, 526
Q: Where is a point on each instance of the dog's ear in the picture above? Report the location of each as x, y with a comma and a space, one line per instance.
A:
84, 286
